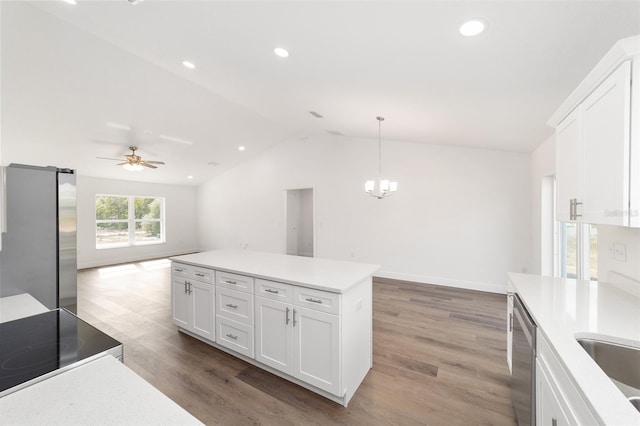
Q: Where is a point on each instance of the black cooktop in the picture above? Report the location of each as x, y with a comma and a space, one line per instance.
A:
40, 344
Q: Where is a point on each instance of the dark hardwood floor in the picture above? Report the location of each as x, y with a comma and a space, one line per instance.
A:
439, 356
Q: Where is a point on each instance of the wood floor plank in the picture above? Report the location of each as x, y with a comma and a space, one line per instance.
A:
439, 357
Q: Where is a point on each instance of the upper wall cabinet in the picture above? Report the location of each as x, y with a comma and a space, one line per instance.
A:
598, 143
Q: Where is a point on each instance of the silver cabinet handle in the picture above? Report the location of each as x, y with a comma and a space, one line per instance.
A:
268, 290
575, 208
287, 317
294, 318
178, 270
230, 282
199, 274
310, 299
231, 336
571, 209
510, 322
232, 306
185, 286
189, 289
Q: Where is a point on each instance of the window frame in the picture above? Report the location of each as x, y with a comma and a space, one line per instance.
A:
131, 223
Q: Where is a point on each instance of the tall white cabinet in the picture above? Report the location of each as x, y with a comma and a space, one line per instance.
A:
598, 143
306, 320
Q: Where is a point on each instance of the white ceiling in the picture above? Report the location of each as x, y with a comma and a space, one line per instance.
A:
69, 70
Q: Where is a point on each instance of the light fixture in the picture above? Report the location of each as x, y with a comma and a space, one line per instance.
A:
189, 177
70, 1
241, 148
133, 167
281, 52
385, 186
188, 64
473, 27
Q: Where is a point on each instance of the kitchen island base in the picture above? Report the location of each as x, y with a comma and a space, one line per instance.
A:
306, 320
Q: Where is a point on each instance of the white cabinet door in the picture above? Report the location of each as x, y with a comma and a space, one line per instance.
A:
203, 309
274, 334
606, 143
549, 410
569, 165
180, 300
316, 348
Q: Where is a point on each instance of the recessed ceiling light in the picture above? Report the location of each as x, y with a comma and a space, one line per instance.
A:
188, 64
70, 1
473, 27
241, 148
281, 52
189, 177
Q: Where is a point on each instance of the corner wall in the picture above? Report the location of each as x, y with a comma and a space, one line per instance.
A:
461, 216
180, 221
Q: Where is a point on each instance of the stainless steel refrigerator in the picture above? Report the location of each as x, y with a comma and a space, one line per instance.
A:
39, 254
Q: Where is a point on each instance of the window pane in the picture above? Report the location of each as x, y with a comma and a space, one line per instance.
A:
112, 233
593, 252
147, 231
111, 208
147, 208
569, 250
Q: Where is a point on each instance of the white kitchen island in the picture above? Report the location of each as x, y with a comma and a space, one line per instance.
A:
307, 320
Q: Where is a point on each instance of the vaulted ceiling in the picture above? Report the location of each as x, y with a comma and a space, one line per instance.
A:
89, 80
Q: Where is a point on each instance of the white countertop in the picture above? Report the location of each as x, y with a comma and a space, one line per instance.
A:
323, 274
565, 309
19, 306
102, 392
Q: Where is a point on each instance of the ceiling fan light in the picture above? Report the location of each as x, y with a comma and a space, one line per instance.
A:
393, 186
133, 167
369, 185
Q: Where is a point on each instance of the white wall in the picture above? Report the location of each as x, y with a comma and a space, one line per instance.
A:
180, 221
543, 165
618, 271
460, 217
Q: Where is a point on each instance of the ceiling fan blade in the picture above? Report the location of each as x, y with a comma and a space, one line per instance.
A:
145, 164
109, 158
155, 162
123, 163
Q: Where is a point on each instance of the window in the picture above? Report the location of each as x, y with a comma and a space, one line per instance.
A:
128, 221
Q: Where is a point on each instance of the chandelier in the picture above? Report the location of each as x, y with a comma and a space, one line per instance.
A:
385, 186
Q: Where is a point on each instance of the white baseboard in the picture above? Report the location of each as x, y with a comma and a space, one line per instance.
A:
114, 260
447, 282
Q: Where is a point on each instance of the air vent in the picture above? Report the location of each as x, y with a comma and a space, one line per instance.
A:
335, 133
212, 163
315, 114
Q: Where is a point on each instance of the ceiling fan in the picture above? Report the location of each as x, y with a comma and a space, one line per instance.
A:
134, 162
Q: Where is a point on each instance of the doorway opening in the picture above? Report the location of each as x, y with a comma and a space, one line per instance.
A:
300, 223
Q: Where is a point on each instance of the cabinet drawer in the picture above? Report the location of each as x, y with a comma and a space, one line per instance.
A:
180, 269
234, 281
234, 335
235, 305
317, 300
192, 272
274, 290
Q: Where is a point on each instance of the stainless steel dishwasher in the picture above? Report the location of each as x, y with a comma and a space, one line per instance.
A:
523, 377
